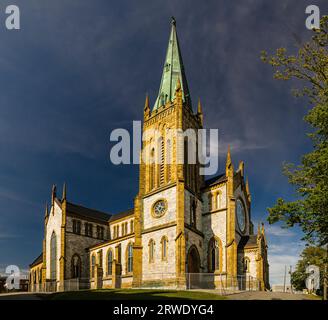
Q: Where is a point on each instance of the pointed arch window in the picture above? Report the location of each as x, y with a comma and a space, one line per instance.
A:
193, 212
76, 266
246, 264
93, 265
164, 243
168, 160
151, 250
129, 258
162, 160
53, 256
152, 169
131, 226
109, 262
215, 253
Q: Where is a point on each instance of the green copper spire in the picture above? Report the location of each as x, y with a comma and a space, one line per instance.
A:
173, 70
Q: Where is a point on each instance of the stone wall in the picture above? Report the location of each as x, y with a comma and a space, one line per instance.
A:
53, 225
166, 267
170, 216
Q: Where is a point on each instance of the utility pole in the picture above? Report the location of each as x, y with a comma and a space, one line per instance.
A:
285, 278
290, 273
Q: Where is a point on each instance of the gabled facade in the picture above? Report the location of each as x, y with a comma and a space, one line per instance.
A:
180, 225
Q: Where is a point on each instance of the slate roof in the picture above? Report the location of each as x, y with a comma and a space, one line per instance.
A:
87, 212
214, 180
38, 260
121, 215
247, 241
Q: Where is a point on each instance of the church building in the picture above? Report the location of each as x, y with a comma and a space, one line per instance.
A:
183, 232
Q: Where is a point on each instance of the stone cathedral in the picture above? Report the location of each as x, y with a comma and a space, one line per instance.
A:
184, 231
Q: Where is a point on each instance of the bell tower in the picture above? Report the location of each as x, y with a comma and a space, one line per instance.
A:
168, 170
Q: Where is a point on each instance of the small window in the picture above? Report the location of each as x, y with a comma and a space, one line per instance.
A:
214, 255
76, 226
93, 264
100, 232
164, 248
151, 250
193, 212
246, 264
109, 262
130, 258
100, 258
218, 200
131, 226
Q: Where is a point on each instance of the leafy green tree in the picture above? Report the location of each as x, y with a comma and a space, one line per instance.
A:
310, 179
310, 255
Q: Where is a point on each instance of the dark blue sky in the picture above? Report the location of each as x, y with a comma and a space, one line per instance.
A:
78, 69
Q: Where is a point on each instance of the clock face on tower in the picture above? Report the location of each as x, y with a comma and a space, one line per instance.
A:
159, 208
241, 216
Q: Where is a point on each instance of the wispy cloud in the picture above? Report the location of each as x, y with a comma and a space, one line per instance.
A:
278, 231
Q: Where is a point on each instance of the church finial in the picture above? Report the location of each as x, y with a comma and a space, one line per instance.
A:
46, 212
259, 229
64, 192
146, 108
147, 102
241, 168
200, 111
247, 190
199, 107
173, 21
53, 194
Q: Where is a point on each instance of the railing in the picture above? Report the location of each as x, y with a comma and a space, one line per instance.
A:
224, 284
66, 285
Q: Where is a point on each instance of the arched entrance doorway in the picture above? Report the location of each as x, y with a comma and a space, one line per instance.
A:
193, 260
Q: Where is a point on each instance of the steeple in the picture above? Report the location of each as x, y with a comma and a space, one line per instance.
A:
172, 71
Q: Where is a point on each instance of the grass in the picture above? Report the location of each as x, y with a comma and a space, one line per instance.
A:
134, 294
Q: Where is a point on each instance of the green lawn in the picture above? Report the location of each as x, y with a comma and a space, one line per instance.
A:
134, 294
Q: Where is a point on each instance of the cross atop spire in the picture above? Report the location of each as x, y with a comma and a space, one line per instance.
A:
172, 71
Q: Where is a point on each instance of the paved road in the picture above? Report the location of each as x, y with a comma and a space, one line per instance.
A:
262, 295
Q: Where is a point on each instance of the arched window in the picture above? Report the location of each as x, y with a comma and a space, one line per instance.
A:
152, 170
151, 250
215, 252
246, 264
131, 226
161, 159
185, 161
193, 212
164, 243
218, 200
109, 262
168, 161
76, 266
93, 264
53, 256
100, 258
40, 275
129, 258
